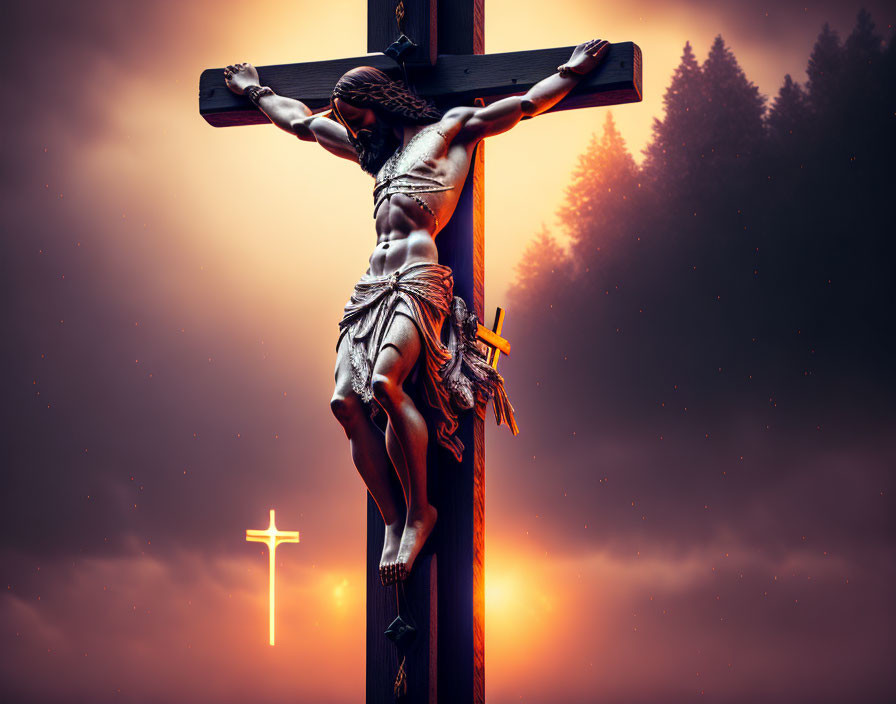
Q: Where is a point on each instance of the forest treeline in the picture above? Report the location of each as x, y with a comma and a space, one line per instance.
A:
746, 264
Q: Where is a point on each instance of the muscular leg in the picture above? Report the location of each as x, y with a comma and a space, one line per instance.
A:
369, 455
406, 437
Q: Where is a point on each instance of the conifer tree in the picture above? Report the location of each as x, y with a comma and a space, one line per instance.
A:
732, 125
702, 281
868, 114
789, 113
863, 46
543, 270
668, 156
600, 195
825, 72
862, 57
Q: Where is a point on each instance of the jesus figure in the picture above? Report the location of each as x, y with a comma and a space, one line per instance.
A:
392, 328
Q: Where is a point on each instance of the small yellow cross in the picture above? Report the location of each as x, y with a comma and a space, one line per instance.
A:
272, 537
493, 338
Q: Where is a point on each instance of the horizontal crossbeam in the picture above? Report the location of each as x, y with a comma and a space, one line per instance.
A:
456, 79
492, 339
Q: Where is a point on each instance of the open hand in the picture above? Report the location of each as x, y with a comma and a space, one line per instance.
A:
585, 57
238, 77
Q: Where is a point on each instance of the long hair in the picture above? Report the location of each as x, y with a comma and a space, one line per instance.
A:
368, 87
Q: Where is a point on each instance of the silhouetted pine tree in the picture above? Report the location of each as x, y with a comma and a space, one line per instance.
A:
544, 267
825, 73
669, 157
862, 48
732, 119
597, 210
787, 146
755, 261
864, 103
789, 115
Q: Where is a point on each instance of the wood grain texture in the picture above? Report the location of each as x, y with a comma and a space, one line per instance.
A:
420, 605
420, 26
478, 439
457, 489
454, 80
461, 26
458, 496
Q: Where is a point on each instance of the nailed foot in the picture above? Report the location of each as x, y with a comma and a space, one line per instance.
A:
391, 545
416, 530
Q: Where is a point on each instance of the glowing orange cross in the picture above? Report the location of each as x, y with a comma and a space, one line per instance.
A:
272, 537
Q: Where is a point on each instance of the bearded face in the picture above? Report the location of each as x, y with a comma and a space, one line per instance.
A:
374, 145
371, 105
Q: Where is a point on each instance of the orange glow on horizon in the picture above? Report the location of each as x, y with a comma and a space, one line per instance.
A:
272, 537
523, 606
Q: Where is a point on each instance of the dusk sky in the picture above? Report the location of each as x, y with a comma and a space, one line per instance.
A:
171, 294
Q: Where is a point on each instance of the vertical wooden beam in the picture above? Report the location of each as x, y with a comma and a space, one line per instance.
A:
448, 661
462, 27
460, 542
419, 605
447, 603
417, 599
460, 495
420, 26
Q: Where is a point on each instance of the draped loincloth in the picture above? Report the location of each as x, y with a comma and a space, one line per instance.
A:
456, 375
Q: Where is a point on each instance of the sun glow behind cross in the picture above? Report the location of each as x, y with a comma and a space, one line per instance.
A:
523, 606
273, 538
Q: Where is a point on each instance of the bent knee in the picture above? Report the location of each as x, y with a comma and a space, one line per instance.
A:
346, 407
386, 390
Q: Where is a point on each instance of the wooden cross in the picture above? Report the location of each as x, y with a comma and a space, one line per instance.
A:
272, 537
445, 62
492, 338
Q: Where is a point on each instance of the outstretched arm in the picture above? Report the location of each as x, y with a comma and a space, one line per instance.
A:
290, 115
500, 116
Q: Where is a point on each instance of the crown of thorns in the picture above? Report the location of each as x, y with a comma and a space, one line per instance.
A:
368, 87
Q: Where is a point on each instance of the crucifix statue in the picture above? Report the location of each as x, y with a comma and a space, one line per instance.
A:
414, 368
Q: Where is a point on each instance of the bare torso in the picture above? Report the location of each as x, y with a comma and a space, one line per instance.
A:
416, 192
435, 157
